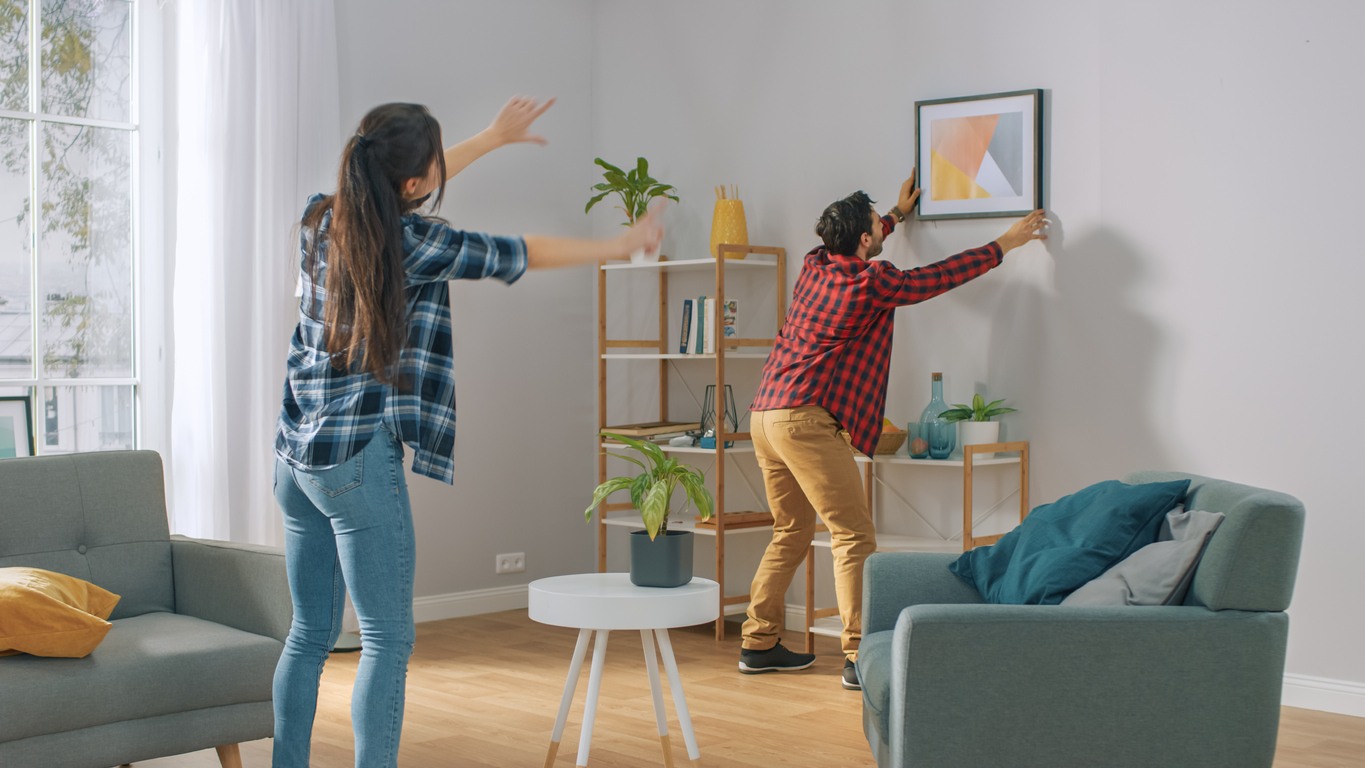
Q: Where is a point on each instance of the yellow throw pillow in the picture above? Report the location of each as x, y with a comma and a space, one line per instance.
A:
51, 614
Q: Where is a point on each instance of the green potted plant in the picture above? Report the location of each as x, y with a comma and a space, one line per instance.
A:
974, 422
636, 189
658, 557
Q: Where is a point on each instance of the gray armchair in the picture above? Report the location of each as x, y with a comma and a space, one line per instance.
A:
951, 681
189, 661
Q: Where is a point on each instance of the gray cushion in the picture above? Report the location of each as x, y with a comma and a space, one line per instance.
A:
1159, 573
1251, 564
97, 516
149, 665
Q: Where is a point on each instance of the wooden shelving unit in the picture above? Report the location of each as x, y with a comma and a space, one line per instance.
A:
818, 620
661, 347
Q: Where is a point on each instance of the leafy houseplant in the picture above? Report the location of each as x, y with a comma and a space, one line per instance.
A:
652, 490
974, 422
636, 188
979, 410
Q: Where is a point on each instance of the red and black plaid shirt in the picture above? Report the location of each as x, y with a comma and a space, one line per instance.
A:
834, 349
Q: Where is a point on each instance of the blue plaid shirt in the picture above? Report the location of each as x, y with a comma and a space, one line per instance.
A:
329, 415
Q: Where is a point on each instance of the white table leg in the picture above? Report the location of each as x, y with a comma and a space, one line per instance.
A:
570, 685
679, 702
599, 657
652, 665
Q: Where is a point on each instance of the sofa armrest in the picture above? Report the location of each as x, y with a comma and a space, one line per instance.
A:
240, 585
1197, 687
895, 580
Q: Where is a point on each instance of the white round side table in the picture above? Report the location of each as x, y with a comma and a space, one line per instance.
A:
595, 604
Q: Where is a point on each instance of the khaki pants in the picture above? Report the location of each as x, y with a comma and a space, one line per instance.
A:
808, 470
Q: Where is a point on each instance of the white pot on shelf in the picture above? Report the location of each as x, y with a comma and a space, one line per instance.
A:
642, 256
977, 433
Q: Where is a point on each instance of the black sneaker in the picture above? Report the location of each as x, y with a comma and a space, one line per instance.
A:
850, 680
775, 659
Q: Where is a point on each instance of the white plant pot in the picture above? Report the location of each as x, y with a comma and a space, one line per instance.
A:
977, 433
642, 256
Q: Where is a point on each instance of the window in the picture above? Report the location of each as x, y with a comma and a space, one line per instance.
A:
68, 181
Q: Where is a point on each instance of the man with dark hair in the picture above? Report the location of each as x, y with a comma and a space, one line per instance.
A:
827, 373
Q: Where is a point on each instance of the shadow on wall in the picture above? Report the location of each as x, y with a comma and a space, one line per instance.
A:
1081, 361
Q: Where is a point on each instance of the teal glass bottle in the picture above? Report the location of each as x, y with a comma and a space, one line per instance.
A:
940, 435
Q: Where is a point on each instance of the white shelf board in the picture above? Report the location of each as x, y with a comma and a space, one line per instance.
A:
749, 261
740, 446
635, 523
759, 355
829, 626
959, 463
890, 542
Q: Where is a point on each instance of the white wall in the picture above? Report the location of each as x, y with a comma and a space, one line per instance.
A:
1191, 312
1195, 307
523, 354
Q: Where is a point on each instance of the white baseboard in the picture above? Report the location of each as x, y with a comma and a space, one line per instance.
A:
460, 604
1338, 696
456, 605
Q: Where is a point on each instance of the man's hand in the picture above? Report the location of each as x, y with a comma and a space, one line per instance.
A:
513, 121
1023, 231
909, 195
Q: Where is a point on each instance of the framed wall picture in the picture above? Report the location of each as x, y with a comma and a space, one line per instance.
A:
16, 427
980, 156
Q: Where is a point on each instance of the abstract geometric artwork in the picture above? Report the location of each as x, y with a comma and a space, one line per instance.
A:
980, 156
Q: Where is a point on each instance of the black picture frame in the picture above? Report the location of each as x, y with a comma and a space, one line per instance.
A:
16, 411
980, 156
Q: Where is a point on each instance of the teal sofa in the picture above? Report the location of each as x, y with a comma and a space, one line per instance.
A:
196, 634
949, 680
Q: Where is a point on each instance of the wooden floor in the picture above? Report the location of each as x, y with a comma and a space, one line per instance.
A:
483, 693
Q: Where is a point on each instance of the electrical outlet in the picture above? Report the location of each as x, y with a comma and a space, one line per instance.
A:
512, 562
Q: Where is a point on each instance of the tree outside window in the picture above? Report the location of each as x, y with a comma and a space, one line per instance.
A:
67, 258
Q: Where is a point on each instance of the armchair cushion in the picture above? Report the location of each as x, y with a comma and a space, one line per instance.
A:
1065, 544
51, 614
1159, 573
149, 666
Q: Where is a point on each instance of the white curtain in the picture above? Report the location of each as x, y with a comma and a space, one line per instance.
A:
258, 130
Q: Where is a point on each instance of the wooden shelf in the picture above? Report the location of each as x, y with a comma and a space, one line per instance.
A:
636, 524
893, 543
764, 267
818, 621
754, 259
679, 356
737, 520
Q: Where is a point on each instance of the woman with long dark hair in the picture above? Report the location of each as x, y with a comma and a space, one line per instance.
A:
369, 372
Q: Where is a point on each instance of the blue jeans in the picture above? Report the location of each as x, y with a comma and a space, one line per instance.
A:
348, 525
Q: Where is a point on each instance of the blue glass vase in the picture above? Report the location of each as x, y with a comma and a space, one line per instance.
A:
941, 435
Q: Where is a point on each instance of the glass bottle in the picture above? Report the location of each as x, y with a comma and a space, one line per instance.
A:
939, 435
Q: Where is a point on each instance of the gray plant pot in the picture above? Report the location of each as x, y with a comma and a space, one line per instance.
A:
664, 562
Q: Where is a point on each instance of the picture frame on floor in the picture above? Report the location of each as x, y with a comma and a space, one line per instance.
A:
980, 156
16, 427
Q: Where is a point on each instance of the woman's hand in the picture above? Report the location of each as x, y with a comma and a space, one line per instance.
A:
513, 122
1023, 231
551, 252
512, 125
647, 233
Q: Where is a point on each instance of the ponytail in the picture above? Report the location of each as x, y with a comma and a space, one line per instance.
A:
365, 311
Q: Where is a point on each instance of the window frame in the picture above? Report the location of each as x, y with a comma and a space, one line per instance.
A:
146, 190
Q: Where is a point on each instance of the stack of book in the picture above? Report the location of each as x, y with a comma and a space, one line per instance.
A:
653, 430
697, 329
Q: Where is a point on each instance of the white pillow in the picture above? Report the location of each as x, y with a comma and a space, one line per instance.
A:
1159, 573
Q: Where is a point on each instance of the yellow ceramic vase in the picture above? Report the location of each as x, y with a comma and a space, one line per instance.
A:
728, 226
